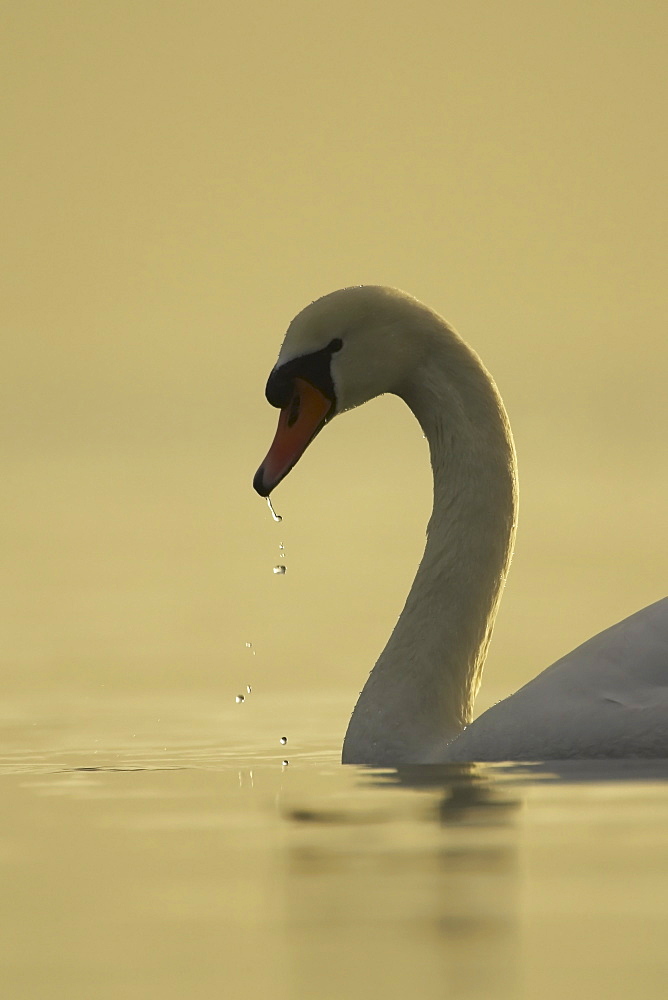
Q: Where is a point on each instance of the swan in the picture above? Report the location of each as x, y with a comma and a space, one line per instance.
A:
607, 698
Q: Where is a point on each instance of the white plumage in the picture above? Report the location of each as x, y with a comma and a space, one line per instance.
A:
607, 698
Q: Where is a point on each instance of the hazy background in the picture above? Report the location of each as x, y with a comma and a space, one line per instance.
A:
179, 179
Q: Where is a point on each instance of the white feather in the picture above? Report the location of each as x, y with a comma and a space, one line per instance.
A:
608, 698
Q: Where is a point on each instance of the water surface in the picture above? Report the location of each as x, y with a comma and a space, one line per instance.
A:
165, 850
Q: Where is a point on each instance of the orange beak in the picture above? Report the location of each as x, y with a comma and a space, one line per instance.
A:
299, 422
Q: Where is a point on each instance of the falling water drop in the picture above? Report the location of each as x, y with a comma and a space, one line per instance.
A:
283, 740
279, 570
240, 698
248, 689
276, 517
285, 763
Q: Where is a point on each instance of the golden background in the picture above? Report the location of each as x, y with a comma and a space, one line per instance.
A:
179, 179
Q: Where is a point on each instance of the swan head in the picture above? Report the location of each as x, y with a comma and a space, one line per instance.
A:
340, 351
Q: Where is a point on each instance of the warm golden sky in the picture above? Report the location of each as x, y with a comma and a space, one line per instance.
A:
178, 180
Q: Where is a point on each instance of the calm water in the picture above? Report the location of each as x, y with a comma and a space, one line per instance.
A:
166, 851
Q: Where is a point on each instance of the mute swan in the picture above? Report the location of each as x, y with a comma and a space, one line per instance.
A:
608, 698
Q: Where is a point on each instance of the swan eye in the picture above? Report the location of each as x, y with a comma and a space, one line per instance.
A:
314, 368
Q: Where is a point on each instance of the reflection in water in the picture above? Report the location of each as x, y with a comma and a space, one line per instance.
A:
421, 893
184, 861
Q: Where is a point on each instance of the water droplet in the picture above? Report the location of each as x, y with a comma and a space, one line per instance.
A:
239, 699
248, 689
285, 763
276, 517
284, 740
249, 645
279, 570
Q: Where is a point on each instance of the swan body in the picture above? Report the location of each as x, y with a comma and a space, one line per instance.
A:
607, 698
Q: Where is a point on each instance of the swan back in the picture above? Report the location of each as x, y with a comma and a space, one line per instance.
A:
606, 698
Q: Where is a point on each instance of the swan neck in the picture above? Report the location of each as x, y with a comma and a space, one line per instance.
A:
420, 694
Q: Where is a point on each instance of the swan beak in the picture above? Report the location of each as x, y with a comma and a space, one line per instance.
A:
299, 422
